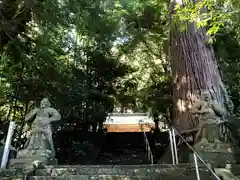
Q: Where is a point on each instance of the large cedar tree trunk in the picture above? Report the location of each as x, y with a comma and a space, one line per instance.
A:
194, 68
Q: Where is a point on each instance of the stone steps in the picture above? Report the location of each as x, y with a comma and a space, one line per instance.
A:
126, 159
121, 172
118, 148
118, 177
106, 171
110, 172
146, 166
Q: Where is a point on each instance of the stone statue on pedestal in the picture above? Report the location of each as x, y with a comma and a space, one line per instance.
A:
39, 145
208, 142
211, 118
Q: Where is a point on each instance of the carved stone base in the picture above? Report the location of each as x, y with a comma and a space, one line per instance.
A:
217, 154
28, 162
217, 159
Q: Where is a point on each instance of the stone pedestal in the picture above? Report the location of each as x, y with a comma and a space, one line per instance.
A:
217, 157
28, 162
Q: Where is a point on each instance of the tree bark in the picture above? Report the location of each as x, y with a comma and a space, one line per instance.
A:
194, 69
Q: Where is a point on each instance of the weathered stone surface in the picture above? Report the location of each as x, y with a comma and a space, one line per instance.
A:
28, 162
234, 168
39, 146
13, 178
9, 172
161, 172
107, 172
208, 143
105, 177
216, 159
114, 171
141, 170
211, 113
146, 166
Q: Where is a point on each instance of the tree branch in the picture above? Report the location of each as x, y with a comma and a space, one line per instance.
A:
13, 19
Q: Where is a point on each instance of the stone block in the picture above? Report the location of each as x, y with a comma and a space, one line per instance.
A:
119, 177
9, 172
141, 170
28, 162
216, 159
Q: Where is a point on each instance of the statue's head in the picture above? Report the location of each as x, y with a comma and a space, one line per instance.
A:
45, 103
206, 96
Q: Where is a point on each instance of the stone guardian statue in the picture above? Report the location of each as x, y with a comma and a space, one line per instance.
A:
39, 145
208, 143
211, 118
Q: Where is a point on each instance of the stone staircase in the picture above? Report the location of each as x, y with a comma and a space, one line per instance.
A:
123, 149
123, 156
118, 154
109, 172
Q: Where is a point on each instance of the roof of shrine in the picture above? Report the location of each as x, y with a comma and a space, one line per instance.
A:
129, 122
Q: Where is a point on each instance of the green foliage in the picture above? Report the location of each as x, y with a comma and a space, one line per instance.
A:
205, 14
65, 54
227, 49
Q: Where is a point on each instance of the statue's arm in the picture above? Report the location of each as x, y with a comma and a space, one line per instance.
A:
31, 114
55, 115
218, 109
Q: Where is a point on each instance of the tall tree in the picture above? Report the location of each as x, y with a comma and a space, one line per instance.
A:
194, 69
